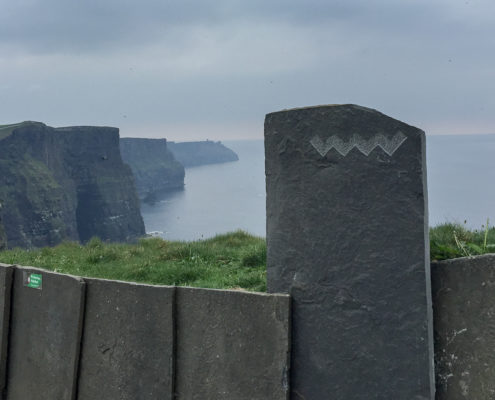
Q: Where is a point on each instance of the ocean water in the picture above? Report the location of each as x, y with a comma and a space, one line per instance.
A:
221, 198
217, 198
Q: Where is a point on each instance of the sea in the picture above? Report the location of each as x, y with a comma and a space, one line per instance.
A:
221, 198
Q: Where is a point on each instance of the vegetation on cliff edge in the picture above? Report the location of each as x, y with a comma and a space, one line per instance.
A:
6, 130
453, 240
234, 260
230, 261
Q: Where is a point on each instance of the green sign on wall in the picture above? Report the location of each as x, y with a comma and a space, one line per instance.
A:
34, 281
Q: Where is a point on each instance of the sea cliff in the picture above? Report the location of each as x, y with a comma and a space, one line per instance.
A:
3, 238
192, 154
65, 184
154, 167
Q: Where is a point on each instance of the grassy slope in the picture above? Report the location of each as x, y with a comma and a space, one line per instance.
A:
234, 260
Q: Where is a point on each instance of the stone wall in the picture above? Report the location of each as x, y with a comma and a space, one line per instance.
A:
148, 342
69, 338
464, 323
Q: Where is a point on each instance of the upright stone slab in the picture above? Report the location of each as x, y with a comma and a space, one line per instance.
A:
45, 335
464, 310
128, 342
232, 345
6, 274
347, 237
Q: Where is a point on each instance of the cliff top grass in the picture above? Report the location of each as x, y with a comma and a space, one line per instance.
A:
6, 130
234, 260
453, 240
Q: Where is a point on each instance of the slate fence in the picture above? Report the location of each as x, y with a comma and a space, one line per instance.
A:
65, 337
464, 321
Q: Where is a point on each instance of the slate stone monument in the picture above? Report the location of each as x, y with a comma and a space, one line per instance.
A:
347, 236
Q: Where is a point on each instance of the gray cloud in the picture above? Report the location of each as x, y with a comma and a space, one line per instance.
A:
61, 25
58, 25
158, 63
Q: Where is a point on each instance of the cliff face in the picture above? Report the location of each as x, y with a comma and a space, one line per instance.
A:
153, 165
192, 154
3, 238
65, 183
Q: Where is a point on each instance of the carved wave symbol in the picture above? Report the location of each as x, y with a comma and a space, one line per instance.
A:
365, 146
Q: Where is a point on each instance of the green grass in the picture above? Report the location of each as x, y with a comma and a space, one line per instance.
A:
232, 261
235, 260
452, 240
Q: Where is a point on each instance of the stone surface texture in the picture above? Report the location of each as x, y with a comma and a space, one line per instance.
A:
65, 183
128, 342
464, 312
45, 337
347, 237
6, 274
232, 345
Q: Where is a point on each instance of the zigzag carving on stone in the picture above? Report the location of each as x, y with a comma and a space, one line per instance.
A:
365, 146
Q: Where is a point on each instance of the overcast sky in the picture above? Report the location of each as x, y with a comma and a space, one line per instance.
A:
192, 69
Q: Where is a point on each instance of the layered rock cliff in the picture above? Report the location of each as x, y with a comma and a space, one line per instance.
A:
192, 154
65, 183
3, 238
154, 167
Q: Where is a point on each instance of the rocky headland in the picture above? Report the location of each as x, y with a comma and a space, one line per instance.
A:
158, 165
64, 184
193, 154
154, 167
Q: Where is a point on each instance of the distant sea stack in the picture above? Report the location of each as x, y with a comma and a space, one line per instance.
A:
65, 184
154, 167
193, 154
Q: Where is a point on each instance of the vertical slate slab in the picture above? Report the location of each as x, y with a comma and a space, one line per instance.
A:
6, 274
45, 336
128, 342
232, 345
464, 312
347, 237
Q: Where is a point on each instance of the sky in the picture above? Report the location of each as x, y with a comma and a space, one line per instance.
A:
212, 69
